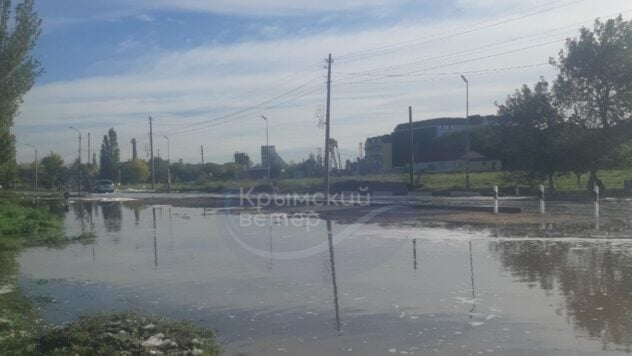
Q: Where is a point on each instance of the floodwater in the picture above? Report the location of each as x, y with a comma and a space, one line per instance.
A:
298, 285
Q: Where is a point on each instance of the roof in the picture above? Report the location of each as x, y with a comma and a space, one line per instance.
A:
382, 139
443, 121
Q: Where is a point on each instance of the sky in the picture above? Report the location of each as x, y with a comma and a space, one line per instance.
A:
206, 70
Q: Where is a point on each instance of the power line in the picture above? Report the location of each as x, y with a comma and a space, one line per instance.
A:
352, 57
457, 63
292, 99
453, 73
241, 111
548, 33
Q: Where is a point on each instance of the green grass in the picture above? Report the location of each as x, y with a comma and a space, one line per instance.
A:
25, 226
434, 182
22, 332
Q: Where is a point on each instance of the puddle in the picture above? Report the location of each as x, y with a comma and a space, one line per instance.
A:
382, 289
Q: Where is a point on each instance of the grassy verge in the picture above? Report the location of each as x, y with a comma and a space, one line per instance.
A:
24, 226
435, 182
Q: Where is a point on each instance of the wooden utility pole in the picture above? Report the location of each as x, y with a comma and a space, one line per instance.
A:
412, 148
151, 154
327, 128
202, 153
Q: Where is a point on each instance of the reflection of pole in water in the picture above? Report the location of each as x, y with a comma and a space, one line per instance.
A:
153, 213
83, 225
333, 274
270, 236
415, 254
472, 279
94, 256
137, 216
171, 227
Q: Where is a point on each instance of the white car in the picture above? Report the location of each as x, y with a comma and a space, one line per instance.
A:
104, 186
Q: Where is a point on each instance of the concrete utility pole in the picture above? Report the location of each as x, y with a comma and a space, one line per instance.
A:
327, 127
36, 172
267, 147
78, 132
202, 152
412, 148
467, 132
88, 160
151, 153
168, 164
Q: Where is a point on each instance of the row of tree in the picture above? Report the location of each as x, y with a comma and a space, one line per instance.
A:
582, 123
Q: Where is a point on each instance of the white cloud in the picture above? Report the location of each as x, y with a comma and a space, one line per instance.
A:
273, 7
186, 87
127, 44
145, 18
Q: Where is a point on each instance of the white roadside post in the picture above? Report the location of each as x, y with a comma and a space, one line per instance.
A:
541, 194
495, 199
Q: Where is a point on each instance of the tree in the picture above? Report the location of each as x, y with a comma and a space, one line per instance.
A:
134, 171
531, 137
110, 157
52, 170
594, 88
18, 72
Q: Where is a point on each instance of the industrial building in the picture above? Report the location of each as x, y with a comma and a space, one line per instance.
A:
392, 152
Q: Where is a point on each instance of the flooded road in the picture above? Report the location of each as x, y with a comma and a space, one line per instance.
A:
276, 284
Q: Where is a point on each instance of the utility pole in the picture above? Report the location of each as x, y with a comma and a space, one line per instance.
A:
36, 172
467, 132
168, 164
327, 127
202, 153
267, 147
88, 161
412, 148
78, 132
151, 154
134, 153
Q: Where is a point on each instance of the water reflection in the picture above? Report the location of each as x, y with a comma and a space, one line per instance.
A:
364, 281
472, 280
594, 278
112, 216
153, 214
332, 267
414, 254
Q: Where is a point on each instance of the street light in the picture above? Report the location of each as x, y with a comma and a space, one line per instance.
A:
79, 133
467, 132
267, 146
36, 173
168, 164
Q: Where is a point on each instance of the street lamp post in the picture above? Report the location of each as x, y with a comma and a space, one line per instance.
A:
36, 171
79, 133
168, 164
467, 132
267, 146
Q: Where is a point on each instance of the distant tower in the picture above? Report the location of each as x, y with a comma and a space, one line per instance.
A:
134, 153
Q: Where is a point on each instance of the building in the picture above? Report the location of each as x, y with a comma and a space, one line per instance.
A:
392, 152
275, 159
378, 154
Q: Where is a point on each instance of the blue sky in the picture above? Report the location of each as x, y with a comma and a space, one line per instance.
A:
190, 63
105, 37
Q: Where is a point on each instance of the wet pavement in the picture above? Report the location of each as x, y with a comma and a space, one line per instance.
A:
273, 284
